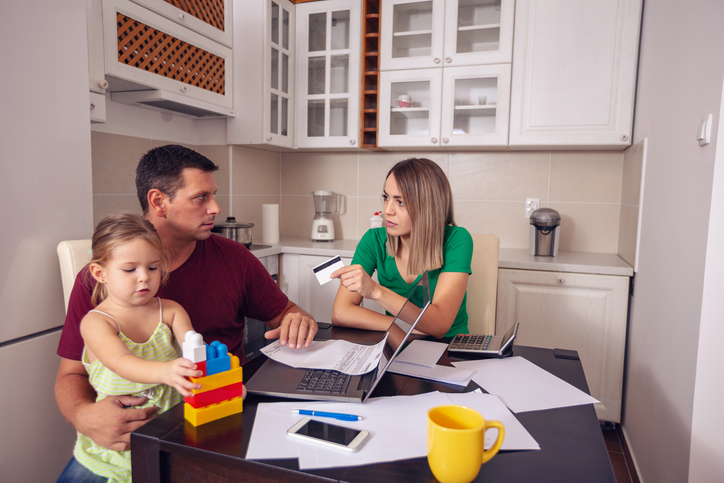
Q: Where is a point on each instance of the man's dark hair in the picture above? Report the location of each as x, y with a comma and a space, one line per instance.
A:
161, 168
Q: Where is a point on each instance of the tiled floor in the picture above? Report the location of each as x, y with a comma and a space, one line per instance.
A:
620, 457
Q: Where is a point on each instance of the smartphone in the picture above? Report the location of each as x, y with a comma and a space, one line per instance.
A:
340, 437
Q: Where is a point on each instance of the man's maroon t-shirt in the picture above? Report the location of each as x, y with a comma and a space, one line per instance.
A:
218, 285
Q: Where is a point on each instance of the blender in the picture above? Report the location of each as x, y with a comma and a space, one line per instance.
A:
325, 203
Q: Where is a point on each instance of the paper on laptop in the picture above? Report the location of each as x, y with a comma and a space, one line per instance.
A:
419, 359
397, 426
523, 386
338, 355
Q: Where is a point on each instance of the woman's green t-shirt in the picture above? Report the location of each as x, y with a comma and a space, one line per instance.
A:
371, 253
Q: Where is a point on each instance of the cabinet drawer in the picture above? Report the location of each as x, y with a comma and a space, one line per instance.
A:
153, 52
210, 18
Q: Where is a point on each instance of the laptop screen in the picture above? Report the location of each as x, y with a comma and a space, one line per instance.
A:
403, 325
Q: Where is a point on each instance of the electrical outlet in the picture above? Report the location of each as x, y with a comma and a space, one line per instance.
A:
531, 204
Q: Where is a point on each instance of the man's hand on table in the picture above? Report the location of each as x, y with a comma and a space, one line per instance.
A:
296, 328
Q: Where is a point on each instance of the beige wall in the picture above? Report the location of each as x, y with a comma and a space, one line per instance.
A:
489, 188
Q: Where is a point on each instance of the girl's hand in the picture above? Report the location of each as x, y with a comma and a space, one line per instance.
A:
177, 372
355, 279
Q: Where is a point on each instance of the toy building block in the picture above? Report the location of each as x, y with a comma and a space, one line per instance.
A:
215, 395
194, 348
217, 358
213, 412
216, 381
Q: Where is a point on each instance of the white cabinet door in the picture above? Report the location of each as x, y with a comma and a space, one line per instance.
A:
475, 105
264, 89
586, 313
328, 74
152, 52
574, 73
211, 18
315, 298
478, 32
412, 34
418, 124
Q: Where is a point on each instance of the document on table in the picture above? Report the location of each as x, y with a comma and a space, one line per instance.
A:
523, 386
337, 355
419, 359
397, 426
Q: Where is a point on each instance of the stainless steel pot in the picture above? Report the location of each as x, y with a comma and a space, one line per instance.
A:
237, 231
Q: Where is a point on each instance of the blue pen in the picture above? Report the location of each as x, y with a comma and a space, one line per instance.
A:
322, 414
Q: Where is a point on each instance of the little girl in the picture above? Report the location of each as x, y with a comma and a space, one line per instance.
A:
129, 344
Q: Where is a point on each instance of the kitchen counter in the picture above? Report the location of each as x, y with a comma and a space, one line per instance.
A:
515, 258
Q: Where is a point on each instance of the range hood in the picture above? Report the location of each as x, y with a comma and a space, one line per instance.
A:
170, 103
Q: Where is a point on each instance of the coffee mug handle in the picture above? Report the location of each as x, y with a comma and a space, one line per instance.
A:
499, 441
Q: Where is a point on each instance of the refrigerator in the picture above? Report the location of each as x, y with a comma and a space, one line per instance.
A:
46, 197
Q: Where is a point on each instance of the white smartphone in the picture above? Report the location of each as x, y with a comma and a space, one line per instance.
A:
340, 437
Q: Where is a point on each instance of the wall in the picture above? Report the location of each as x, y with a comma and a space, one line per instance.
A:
682, 58
489, 188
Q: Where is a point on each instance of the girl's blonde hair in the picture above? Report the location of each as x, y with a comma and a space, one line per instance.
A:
115, 230
427, 195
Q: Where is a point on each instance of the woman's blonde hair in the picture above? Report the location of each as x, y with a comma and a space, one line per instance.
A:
115, 230
427, 195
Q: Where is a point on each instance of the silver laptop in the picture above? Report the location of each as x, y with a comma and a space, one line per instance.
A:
483, 344
276, 379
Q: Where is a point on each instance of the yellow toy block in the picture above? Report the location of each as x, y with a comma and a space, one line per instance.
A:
213, 412
221, 379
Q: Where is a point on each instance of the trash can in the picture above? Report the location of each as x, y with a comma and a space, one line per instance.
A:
544, 232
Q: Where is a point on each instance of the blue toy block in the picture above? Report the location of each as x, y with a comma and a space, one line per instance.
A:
217, 358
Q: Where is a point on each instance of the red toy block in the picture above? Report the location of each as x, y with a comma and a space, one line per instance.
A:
215, 395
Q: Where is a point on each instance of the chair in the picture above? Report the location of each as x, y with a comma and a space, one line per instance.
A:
72, 255
483, 284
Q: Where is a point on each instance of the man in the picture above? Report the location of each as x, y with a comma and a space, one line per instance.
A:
218, 281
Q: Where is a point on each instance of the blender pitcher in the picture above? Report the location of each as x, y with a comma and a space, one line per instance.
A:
325, 203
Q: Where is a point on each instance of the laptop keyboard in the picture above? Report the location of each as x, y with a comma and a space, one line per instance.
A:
470, 342
320, 380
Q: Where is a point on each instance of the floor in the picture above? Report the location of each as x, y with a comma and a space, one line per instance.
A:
619, 454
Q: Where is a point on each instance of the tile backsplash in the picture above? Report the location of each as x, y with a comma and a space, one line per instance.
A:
489, 188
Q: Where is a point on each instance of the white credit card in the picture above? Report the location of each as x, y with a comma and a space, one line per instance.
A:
325, 269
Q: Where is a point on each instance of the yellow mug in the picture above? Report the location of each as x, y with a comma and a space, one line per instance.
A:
455, 443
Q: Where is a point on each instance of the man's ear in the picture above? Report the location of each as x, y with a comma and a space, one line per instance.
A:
156, 202
98, 272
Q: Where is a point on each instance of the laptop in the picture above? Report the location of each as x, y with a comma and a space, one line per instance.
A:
484, 345
276, 379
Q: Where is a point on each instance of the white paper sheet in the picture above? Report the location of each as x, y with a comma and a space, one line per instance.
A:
397, 426
338, 355
523, 386
419, 359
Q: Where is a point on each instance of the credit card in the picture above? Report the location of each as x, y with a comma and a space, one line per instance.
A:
325, 269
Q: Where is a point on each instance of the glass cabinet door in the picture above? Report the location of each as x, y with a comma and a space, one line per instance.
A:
412, 34
280, 101
478, 32
328, 73
409, 108
475, 105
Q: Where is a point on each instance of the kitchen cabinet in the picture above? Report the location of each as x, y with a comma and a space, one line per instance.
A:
298, 282
264, 48
435, 33
454, 106
211, 18
583, 312
254, 330
328, 74
574, 73
155, 62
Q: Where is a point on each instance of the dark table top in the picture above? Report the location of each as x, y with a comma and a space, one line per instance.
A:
571, 442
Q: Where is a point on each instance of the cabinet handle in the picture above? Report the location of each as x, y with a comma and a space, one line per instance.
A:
448, 59
437, 60
561, 280
92, 106
445, 140
269, 139
352, 142
103, 84
433, 140
624, 137
183, 89
182, 16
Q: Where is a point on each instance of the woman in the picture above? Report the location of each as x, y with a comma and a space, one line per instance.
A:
419, 235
